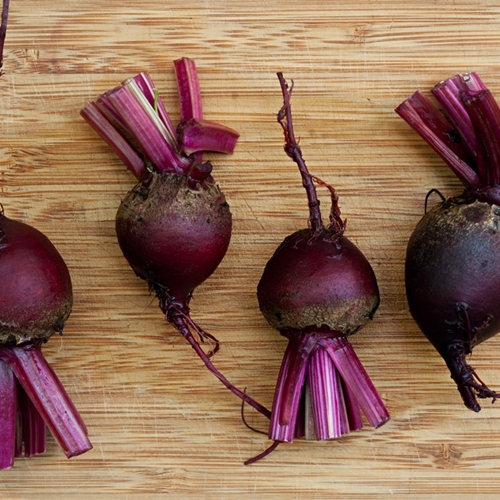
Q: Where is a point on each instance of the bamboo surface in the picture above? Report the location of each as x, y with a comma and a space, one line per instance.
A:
161, 425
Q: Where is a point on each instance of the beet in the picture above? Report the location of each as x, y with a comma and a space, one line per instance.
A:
319, 281
316, 290
451, 270
36, 295
174, 236
174, 226
35, 301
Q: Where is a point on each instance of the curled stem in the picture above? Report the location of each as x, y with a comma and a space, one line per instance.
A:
292, 149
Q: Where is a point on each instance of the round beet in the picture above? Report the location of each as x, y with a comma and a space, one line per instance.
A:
316, 290
452, 259
461, 242
35, 301
174, 236
174, 226
318, 281
36, 295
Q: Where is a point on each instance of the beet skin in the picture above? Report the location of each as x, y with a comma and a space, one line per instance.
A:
174, 236
35, 292
452, 283
326, 283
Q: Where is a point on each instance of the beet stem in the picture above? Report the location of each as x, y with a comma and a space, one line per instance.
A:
34, 430
449, 94
298, 353
49, 397
485, 115
8, 416
327, 398
417, 111
188, 87
150, 92
144, 127
353, 410
348, 364
94, 117
178, 321
197, 135
292, 149
3, 30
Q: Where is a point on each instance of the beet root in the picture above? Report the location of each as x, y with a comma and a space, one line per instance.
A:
174, 226
36, 294
451, 271
452, 285
318, 281
35, 301
316, 290
174, 236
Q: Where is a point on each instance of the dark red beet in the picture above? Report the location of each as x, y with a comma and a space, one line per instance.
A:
452, 260
317, 289
318, 281
35, 301
174, 226
36, 295
174, 236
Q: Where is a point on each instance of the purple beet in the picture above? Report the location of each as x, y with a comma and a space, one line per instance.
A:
174, 226
316, 290
452, 260
35, 301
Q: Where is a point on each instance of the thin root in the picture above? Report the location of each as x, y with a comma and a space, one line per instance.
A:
263, 454
243, 419
179, 322
202, 334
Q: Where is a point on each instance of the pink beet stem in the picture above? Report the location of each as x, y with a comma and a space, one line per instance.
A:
188, 87
327, 398
33, 426
143, 127
197, 135
297, 353
8, 416
120, 146
49, 397
423, 117
356, 378
147, 87
353, 409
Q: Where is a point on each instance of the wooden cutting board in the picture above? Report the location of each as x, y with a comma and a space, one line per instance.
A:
161, 425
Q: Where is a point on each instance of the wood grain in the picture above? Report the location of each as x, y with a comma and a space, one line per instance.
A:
161, 426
